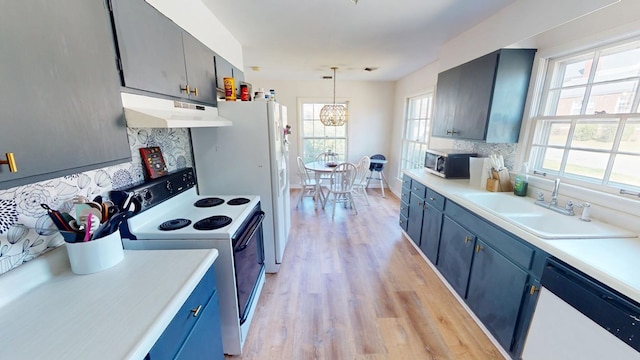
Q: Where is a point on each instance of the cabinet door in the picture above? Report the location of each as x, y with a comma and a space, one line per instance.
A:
496, 289
430, 239
445, 102
60, 93
150, 49
205, 339
456, 252
201, 74
476, 84
223, 69
414, 226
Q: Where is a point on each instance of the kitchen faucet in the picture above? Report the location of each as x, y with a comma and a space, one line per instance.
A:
553, 204
554, 193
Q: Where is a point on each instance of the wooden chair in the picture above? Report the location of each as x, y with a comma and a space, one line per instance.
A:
341, 186
308, 184
360, 183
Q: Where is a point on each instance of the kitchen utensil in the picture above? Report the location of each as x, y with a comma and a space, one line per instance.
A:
87, 232
60, 220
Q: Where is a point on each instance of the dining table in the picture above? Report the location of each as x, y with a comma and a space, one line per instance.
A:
321, 169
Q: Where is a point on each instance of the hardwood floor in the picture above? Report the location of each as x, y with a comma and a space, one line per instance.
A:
355, 288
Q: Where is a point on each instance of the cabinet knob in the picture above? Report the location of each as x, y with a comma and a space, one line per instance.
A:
432, 199
479, 248
194, 91
467, 239
11, 161
196, 311
186, 89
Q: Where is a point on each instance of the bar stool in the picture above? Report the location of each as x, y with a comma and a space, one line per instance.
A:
377, 165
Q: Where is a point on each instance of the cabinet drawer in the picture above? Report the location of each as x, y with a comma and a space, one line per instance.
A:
509, 245
418, 189
434, 199
405, 196
404, 209
406, 182
179, 328
403, 222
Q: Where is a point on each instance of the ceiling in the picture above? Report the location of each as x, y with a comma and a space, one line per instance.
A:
303, 39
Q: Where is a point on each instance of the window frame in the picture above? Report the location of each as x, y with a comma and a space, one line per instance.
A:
301, 137
539, 113
405, 141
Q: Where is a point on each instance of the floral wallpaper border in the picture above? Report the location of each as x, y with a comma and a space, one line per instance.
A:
26, 231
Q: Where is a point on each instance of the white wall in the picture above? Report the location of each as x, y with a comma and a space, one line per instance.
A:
544, 25
370, 112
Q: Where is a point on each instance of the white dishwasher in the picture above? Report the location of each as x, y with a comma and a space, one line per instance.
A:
579, 318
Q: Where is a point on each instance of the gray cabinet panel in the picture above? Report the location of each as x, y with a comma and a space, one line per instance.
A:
484, 99
430, 238
223, 69
456, 252
496, 289
60, 99
200, 66
150, 48
414, 227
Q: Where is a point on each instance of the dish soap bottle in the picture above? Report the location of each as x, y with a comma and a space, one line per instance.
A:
522, 182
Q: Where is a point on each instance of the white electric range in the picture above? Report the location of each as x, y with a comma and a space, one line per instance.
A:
171, 215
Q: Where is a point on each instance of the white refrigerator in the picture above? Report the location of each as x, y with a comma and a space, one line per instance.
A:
249, 158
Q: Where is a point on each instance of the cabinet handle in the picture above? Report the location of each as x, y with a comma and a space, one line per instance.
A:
479, 248
467, 239
194, 91
185, 89
452, 132
11, 161
196, 311
533, 290
432, 199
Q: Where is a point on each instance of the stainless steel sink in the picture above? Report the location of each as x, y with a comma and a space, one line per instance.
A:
542, 222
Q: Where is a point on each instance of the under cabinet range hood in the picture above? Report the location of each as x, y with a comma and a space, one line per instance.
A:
148, 112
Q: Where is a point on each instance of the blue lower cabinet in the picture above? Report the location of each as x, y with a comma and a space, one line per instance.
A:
194, 332
456, 252
205, 340
496, 290
430, 238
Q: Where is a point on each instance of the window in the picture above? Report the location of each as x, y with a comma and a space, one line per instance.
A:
317, 138
417, 127
588, 124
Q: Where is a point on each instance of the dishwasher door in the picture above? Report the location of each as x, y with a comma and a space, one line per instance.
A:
578, 318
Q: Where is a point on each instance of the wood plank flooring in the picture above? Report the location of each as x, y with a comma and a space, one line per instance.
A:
355, 288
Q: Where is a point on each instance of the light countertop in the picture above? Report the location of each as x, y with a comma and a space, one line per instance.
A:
117, 313
615, 262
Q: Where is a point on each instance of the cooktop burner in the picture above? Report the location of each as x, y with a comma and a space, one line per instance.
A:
212, 222
209, 202
238, 201
174, 224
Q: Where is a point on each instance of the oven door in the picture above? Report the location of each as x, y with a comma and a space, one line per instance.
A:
248, 260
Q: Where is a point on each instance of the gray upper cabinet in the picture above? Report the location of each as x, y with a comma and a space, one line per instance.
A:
223, 69
60, 95
484, 99
160, 57
150, 47
199, 60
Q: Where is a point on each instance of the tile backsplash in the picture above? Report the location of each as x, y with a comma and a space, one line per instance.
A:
26, 231
508, 151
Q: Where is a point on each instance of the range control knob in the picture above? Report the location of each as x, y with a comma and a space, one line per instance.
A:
169, 186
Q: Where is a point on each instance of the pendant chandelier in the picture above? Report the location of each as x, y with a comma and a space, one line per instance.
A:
335, 114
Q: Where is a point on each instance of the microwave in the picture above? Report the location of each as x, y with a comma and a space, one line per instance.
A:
449, 164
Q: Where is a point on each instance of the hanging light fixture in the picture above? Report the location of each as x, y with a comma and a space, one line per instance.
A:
335, 114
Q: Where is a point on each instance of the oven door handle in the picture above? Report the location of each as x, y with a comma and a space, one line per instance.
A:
248, 235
